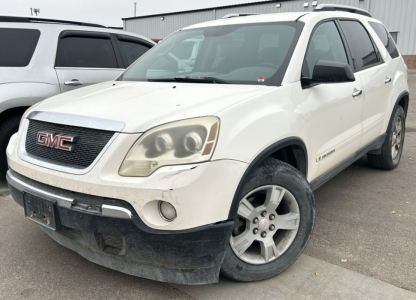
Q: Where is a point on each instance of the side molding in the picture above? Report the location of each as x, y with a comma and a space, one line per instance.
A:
374, 145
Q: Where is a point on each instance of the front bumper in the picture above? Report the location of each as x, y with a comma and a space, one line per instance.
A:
124, 242
201, 193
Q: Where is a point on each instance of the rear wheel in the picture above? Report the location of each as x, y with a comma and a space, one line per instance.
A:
7, 128
273, 224
392, 149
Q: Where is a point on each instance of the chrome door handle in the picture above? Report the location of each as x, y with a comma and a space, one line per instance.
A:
74, 82
357, 93
387, 80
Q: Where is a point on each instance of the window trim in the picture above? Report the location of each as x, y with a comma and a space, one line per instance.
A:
91, 34
121, 37
376, 49
343, 39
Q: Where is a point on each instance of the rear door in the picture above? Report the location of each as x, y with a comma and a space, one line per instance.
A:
85, 58
375, 75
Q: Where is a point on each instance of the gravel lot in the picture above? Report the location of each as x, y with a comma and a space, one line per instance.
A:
365, 216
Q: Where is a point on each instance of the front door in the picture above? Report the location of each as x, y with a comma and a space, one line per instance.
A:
335, 119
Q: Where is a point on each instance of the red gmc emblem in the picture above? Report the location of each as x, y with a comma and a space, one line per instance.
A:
55, 141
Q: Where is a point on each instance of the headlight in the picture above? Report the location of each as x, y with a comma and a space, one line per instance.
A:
182, 142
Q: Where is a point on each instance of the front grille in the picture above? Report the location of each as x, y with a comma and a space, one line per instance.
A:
88, 146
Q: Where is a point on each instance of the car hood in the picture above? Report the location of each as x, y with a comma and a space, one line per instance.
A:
143, 105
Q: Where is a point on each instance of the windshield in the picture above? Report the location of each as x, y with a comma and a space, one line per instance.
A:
237, 54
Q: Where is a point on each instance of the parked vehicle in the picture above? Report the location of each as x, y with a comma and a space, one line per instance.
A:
180, 174
40, 58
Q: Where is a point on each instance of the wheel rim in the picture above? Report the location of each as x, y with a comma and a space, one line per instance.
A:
396, 141
266, 224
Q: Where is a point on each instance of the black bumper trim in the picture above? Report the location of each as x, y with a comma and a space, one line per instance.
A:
192, 256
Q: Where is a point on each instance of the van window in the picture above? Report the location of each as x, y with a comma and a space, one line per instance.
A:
362, 49
132, 50
386, 39
86, 52
17, 46
325, 44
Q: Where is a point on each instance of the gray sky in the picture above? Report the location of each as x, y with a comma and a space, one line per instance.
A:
106, 12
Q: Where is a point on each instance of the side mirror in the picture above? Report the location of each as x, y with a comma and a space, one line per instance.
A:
326, 71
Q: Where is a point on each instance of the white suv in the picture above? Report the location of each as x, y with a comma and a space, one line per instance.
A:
180, 174
40, 58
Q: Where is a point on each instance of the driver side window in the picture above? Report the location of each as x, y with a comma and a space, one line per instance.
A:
325, 44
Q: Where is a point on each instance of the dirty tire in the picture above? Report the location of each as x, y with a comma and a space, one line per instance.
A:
385, 159
275, 172
7, 128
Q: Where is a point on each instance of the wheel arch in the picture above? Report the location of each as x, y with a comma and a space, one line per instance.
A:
11, 112
403, 101
291, 150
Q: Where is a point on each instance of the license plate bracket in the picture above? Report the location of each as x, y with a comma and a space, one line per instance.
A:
40, 210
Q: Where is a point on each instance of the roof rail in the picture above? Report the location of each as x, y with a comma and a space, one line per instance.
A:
17, 19
237, 15
335, 7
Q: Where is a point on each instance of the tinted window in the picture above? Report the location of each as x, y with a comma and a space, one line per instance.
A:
385, 38
325, 44
17, 46
133, 50
394, 36
363, 52
85, 52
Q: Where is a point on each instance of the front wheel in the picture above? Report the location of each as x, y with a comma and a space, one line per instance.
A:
273, 224
7, 128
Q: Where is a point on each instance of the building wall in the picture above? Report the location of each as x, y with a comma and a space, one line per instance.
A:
397, 15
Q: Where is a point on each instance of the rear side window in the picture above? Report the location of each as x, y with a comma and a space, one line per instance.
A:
363, 52
132, 50
17, 46
385, 38
86, 52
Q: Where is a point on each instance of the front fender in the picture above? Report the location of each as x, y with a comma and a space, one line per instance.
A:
251, 126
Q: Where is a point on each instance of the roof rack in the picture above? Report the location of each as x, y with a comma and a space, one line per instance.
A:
45, 21
335, 7
237, 15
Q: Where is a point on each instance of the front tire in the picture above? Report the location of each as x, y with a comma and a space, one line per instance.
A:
392, 148
273, 225
7, 128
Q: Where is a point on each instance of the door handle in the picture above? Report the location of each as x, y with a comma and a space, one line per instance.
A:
387, 80
357, 93
74, 82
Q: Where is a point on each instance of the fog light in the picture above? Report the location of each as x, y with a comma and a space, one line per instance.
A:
167, 211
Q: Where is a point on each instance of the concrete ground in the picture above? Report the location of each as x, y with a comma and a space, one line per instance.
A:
364, 216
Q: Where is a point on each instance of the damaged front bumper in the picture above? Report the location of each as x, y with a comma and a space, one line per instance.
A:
109, 232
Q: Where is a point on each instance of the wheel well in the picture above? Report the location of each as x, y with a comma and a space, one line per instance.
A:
293, 155
404, 103
291, 150
11, 112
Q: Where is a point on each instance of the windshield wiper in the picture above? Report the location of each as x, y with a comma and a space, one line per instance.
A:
190, 79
